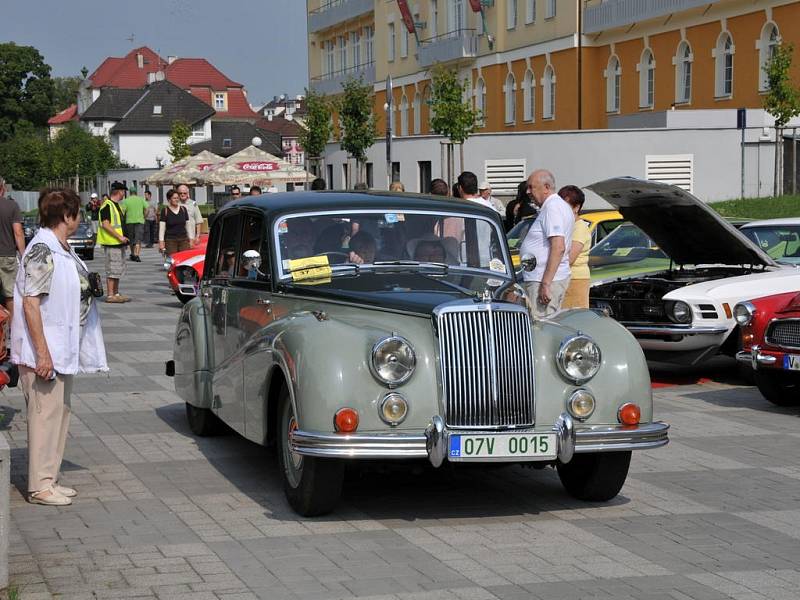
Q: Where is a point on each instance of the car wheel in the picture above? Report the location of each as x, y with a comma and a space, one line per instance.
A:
782, 389
202, 421
596, 477
312, 485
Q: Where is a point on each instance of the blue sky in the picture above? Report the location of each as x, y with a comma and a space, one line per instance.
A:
259, 43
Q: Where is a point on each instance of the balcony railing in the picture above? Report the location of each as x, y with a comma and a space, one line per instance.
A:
450, 46
334, 12
599, 15
331, 83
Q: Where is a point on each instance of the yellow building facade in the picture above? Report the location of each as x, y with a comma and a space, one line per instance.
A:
539, 65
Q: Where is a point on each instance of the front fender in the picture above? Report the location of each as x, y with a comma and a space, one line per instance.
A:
623, 375
193, 355
327, 363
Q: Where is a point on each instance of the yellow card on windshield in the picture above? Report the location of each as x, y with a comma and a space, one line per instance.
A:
622, 251
312, 267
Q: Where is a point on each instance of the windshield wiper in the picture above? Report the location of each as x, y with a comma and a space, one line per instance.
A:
445, 268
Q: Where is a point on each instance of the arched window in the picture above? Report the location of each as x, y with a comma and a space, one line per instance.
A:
683, 73
549, 93
647, 74
426, 106
613, 78
723, 63
404, 115
417, 113
770, 38
480, 101
529, 96
510, 90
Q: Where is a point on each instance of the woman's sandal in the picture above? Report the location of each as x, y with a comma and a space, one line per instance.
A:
49, 497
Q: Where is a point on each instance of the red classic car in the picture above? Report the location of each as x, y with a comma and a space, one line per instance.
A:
770, 329
184, 270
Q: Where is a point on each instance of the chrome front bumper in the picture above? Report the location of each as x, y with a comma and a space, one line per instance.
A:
433, 443
674, 330
754, 357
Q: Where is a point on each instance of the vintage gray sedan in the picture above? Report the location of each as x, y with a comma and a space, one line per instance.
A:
346, 326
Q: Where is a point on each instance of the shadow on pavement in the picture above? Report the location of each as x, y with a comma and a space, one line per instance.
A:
385, 490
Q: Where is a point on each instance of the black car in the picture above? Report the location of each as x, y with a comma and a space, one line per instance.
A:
83, 240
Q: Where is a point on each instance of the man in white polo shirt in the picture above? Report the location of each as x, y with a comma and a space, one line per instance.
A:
548, 240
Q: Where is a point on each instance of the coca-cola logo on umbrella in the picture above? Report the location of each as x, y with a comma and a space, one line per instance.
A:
205, 166
258, 166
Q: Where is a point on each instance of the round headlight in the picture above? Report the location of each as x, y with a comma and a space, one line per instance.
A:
743, 313
168, 261
393, 361
393, 409
581, 404
681, 312
579, 358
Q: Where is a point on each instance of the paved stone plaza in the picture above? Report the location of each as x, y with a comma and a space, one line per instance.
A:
163, 514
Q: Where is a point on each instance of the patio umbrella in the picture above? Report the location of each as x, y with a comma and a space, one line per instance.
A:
253, 166
186, 170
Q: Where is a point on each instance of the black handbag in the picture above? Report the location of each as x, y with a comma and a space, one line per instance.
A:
95, 284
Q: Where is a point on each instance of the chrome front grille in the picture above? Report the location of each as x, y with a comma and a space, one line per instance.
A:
486, 354
784, 332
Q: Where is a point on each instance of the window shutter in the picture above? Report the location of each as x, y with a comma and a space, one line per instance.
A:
674, 169
505, 175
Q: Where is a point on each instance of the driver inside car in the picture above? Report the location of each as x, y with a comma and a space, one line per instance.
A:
362, 248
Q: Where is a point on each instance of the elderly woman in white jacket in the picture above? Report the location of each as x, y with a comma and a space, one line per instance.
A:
56, 335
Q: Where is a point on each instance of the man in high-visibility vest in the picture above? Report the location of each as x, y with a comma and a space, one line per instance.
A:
111, 237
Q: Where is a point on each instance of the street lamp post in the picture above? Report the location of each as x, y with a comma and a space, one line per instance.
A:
389, 111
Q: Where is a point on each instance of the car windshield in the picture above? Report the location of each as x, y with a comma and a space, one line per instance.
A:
317, 245
781, 242
626, 250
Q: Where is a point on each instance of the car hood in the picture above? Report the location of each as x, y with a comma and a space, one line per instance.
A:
685, 228
407, 292
744, 287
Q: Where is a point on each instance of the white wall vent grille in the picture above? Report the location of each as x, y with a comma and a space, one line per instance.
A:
675, 169
505, 175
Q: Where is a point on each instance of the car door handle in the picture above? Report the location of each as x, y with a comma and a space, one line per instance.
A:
264, 301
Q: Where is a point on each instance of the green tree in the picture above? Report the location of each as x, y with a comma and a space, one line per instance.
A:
453, 117
178, 136
26, 90
23, 157
75, 151
65, 92
314, 137
357, 121
782, 101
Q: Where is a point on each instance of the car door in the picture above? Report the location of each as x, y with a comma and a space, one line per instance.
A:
227, 398
253, 312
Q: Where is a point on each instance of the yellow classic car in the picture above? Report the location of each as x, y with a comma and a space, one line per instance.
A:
601, 223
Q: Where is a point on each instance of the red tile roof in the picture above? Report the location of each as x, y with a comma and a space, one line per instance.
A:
65, 116
188, 72
284, 127
125, 72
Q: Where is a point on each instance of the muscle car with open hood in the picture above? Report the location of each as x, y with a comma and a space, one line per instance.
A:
347, 326
690, 267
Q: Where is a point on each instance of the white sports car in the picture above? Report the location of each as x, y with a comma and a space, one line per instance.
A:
692, 269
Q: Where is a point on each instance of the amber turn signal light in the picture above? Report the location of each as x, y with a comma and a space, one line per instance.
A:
629, 414
346, 420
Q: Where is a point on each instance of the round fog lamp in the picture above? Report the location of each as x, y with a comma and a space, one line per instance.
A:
393, 409
346, 420
629, 414
681, 312
581, 404
578, 358
743, 313
392, 361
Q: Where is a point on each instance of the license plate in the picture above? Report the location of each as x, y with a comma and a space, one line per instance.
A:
515, 446
791, 362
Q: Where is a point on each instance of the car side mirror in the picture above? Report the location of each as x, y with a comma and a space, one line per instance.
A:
251, 260
527, 263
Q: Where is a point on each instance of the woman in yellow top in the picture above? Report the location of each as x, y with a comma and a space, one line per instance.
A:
577, 295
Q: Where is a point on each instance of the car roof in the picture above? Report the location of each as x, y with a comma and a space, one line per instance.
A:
598, 216
783, 221
281, 203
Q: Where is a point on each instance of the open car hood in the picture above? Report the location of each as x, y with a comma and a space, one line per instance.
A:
685, 228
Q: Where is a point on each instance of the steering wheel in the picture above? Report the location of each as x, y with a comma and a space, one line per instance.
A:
344, 256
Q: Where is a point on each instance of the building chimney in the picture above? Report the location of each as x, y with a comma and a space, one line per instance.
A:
140, 60
171, 59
